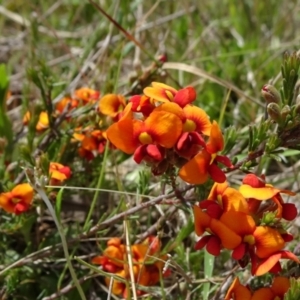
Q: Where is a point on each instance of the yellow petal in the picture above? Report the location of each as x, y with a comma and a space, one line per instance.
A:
267, 241
262, 193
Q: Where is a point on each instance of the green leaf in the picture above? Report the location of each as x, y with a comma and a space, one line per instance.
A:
208, 270
58, 203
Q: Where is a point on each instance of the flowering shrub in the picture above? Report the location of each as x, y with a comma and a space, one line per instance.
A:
80, 164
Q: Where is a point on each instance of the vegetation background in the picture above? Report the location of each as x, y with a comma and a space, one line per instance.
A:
226, 49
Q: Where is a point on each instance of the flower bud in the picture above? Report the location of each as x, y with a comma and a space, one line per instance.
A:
270, 94
269, 218
274, 111
285, 111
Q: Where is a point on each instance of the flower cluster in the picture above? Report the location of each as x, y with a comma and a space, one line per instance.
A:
248, 222
81, 97
163, 129
148, 265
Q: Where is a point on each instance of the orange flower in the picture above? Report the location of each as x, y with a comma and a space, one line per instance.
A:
146, 267
92, 142
112, 104
237, 291
112, 259
118, 287
18, 200
271, 263
196, 120
277, 290
221, 235
198, 169
260, 241
147, 139
125, 114
263, 243
228, 198
60, 106
87, 95
58, 172
43, 122
195, 124
225, 216
267, 241
164, 93
257, 190
234, 227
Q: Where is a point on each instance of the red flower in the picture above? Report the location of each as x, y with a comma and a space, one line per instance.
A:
58, 173
60, 106
92, 142
87, 95
205, 163
255, 189
142, 104
164, 93
18, 200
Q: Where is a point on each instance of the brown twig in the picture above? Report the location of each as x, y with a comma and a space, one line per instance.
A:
251, 156
156, 226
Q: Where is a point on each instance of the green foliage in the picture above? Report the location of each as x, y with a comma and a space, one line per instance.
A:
289, 72
258, 134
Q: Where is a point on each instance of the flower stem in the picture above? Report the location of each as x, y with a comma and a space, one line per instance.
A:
99, 183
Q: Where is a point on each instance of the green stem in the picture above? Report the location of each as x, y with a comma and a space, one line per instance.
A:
99, 183
42, 194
